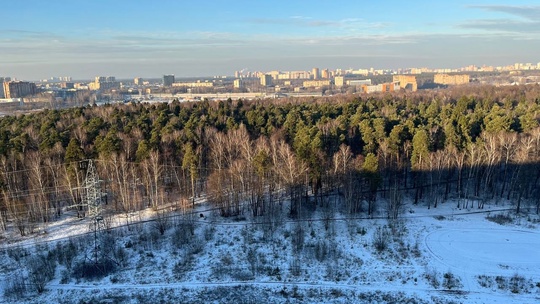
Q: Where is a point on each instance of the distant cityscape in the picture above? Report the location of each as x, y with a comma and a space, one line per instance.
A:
253, 84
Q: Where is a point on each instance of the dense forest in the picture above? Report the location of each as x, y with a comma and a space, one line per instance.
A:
470, 144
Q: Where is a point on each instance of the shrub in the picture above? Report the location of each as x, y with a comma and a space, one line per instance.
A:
518, 284
321, 250
432, 277
297, 239
121, 255
40, 271
67, 254
416, 250
241, 275
451, 281
161, 223
501, 282
286, 234
381, 239
15, 288
209, 233
361, 230
91, 270
295, 267
16, 253
183, 234
226, 259
64, 279
149, 239
485, 281
500, 219
182, 266
253, 260
196, 247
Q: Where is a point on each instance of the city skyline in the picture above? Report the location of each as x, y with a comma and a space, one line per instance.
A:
127, 38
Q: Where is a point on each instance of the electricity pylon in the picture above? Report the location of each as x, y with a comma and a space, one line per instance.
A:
92, 199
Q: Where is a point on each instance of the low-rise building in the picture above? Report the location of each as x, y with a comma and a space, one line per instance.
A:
339, 81
406, 82
451, 79
383, 87
358, 82
198, 84
316, 83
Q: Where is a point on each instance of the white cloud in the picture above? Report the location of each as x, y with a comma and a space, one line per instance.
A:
522, 20
530, 12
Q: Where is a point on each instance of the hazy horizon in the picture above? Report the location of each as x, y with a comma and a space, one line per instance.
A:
40, 39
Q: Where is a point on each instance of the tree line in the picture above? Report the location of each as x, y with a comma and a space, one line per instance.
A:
468, 144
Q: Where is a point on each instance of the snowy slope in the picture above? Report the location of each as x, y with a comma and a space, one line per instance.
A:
438, 255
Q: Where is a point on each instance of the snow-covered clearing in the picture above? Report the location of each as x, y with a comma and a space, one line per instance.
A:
492, 251
437, 255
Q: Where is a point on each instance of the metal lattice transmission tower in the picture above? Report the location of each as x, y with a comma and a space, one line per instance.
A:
92, 192
92, 199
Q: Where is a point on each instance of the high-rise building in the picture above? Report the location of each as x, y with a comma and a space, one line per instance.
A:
325, 74
2, 80
266, 80
315, 73
168, 80
238, 83
138, 81
17, 89
104, 83
67, 85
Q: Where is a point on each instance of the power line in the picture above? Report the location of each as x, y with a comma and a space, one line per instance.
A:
255, 223
65, 191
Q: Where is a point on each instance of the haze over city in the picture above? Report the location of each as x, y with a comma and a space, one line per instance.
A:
132, 38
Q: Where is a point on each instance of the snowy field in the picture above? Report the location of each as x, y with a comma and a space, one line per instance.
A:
437, 255
489, 251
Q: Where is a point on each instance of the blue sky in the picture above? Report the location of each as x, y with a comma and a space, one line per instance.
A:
40, 39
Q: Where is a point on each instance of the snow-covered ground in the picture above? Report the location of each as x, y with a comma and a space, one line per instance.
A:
492, 251
437, 255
